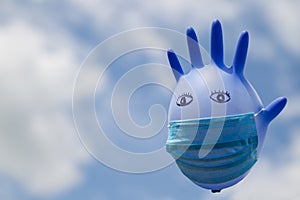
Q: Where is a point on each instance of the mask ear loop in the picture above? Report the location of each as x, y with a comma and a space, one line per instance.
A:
256, 114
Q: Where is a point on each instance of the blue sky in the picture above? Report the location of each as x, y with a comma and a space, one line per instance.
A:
44, 43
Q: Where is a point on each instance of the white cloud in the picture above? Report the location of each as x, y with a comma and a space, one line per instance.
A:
38, 144
276, 182
292, 110
268, 180
279, 19
282, 18
286, 28
121, 15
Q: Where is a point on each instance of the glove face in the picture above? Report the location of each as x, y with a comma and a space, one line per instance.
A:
209, 93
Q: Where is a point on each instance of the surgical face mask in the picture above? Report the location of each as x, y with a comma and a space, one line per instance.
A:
227, 157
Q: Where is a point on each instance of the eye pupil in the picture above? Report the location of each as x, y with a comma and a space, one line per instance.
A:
221, 97
182, 101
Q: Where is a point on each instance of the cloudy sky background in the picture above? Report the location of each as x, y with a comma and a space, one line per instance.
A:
42, 46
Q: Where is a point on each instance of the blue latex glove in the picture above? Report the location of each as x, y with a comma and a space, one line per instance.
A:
218, 90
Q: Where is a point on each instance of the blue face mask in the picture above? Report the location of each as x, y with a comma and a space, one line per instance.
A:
232, 154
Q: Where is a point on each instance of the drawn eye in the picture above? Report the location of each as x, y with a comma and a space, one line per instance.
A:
220, 96
184, 99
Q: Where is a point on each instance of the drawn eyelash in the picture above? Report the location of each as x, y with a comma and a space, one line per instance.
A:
187, 94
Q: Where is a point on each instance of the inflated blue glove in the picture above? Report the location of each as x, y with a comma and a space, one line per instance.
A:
217, 123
